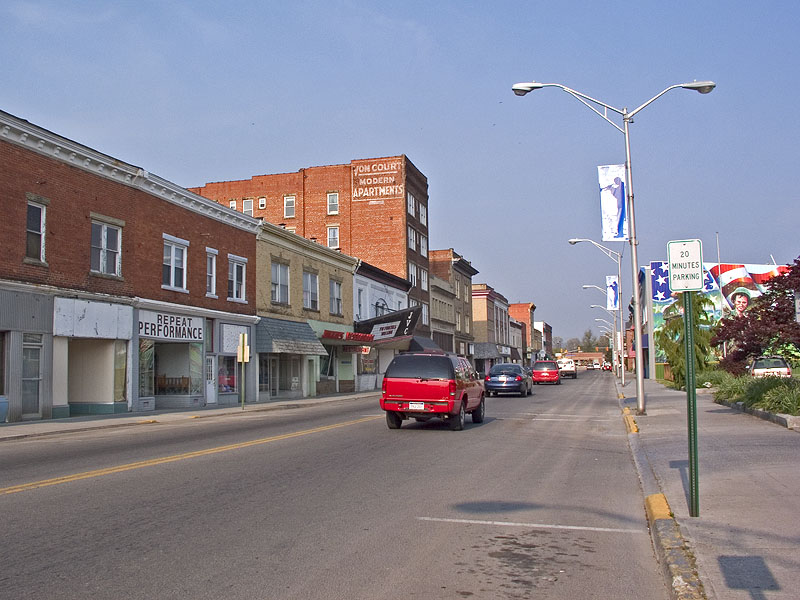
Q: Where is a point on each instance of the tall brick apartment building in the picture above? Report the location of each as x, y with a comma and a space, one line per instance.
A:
375, 209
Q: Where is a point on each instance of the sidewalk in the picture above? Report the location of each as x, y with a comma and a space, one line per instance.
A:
746, 539
26, 429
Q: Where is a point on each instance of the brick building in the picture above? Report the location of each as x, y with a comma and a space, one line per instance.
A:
451, 266
523, 312
492, 327
374, 209
119, 290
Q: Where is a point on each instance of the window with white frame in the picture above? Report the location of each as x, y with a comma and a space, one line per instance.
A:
458, 288
280, 283
262, 203
423, 214
232, 204
310, 290
412, 202
211, 272
288, 207
359, 309
34, 231
336, 298
412, 273
425, 314
333, 237
32, 344
174, 264
106, 242
247, 206
412, 238
458, 321
333, 203
423, 278
237, 278
423, 245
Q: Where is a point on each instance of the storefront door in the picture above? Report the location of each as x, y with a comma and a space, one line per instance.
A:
273, 377
211, 379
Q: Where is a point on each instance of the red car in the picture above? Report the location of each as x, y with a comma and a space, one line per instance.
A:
546, 371
422, 386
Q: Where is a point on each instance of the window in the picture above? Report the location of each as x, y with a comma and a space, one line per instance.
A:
310, 291
232, 204
458, 288
211, 273
2, 363
412, 273
333, 203
336, 297
280, 283
262, 203
34, 249
247, 206
226, 380
412, 238
288, 207
411, 203
423, 214
423, 278
358, 316
237, 273
333, 237
106, 244
425, 317
458, 321
174, 265
31, 372
423, 245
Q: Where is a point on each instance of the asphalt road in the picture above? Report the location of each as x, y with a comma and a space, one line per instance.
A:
540, 501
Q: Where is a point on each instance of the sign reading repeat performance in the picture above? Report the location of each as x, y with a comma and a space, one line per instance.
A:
685, 259
166, 326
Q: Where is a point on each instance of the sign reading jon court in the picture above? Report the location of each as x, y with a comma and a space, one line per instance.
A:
166, 326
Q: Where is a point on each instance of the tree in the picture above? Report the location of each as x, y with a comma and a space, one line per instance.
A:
767, 327
588, 341
558, 342
573, 344
671, 337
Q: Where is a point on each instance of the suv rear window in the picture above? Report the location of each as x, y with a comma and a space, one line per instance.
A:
420, 366
506, 369
770, 363
544, 365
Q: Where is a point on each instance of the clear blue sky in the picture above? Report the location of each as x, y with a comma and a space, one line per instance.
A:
198, 91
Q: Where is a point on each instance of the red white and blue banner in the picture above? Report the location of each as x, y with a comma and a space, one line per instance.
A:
613, 210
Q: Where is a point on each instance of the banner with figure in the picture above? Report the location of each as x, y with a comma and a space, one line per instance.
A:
612, 292
613, 210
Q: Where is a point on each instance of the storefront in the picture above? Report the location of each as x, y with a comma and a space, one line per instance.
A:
288, 354
187, 357
338, 368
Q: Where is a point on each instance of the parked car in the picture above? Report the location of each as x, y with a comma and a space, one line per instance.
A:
506, 378
567, 367
427, 385
770, 366
546, 371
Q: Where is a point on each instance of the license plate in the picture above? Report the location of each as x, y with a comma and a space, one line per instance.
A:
503, 378
416, 406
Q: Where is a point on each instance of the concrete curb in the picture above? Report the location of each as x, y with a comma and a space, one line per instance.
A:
788, 421
672, 552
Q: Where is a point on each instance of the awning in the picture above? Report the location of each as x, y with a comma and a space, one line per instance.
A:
287, 337
515, 355
408, 343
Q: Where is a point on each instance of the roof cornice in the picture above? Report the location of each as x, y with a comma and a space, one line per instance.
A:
41, 141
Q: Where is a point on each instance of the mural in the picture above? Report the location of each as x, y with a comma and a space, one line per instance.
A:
729, 287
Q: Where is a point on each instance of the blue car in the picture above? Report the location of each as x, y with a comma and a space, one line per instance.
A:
508, 378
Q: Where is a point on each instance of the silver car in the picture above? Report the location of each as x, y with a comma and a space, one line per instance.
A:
508, 378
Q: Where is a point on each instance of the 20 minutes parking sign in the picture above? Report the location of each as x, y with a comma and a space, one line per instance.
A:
685, 265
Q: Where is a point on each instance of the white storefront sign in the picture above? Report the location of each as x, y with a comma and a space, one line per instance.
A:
167, 326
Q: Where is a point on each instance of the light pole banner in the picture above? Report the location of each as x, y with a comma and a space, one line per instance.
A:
613, 211
612, 292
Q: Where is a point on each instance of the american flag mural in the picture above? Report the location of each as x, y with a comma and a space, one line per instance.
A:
722, 281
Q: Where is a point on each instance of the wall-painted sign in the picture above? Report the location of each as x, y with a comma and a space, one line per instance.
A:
377, 180
167, 326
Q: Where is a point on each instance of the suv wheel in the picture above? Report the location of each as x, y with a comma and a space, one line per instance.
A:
393, 419
457, 421
479, 413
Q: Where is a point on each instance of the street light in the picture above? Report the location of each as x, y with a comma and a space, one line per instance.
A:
703, 87
617, 258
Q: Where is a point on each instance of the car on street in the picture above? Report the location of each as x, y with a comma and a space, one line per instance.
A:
770, 366
422, 386
546, 371
508, 378
567, 367
606, 366
596, 365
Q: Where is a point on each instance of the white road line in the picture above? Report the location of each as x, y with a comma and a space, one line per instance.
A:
531, 525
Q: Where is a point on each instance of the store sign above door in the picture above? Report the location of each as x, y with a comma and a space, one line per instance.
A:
166, 326
347, 335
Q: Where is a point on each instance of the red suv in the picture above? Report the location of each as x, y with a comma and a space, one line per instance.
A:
426, 385
546, 371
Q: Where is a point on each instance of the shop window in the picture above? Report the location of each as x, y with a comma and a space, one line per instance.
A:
106, 245
237, 271
310, 291
31, 372
120, 370
147, 353
226, 381
174, 263
196, 375
280, 283
34, 231
336, 298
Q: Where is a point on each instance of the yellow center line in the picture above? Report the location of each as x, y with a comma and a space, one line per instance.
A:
174, 458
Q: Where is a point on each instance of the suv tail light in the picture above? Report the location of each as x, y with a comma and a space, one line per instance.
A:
383, 386
451, 387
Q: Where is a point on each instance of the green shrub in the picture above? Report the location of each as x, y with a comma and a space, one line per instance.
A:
732, 388
783, 398
773, 394
712, 377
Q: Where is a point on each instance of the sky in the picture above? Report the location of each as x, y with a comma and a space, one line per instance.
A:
198, 91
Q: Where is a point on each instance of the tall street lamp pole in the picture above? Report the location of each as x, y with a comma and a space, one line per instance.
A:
616, 343
704, 87
617, 258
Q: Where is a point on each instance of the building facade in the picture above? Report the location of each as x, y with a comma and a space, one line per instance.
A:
374, 209
523, 312
119, 290
443, 314
547, 338
451, 266
492, 327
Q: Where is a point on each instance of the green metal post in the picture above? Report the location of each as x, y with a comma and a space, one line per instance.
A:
691, 403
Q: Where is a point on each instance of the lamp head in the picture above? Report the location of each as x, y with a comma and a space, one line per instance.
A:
704, 87
520, 89
573, 241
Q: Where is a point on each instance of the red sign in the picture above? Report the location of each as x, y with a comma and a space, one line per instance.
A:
347, 335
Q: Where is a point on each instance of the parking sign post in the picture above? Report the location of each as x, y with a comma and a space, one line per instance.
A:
686, 275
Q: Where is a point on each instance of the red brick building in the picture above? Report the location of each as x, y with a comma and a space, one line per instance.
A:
523, 312
374, 209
